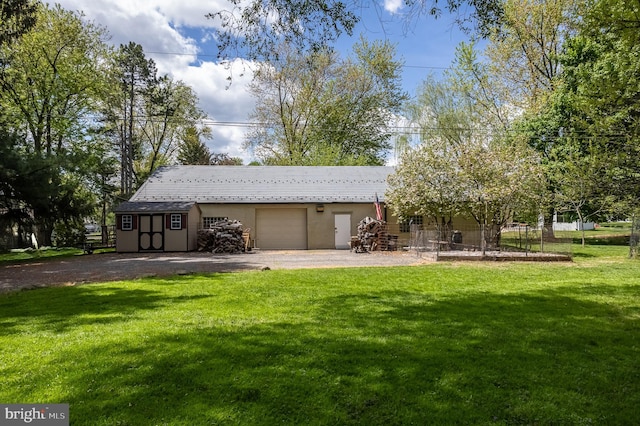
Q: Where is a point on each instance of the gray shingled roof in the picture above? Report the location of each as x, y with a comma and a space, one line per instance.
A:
265, 184
153, 207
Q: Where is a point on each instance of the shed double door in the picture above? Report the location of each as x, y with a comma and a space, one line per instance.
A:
151, 232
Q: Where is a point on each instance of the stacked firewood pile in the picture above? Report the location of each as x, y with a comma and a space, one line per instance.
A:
372, 235
222, 237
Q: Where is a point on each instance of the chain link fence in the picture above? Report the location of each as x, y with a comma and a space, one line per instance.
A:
486, 242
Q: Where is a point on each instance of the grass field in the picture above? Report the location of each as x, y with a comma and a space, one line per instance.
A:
443, 343
25, 255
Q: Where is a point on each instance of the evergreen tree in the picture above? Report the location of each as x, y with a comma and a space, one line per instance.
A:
193, 151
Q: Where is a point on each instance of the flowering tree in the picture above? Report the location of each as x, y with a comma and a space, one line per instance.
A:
490, 181
459, 168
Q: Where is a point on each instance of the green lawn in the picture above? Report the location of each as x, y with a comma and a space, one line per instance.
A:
456, 343
25, 255
15, 256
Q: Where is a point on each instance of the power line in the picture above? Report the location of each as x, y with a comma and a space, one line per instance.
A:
407, 129
208, 55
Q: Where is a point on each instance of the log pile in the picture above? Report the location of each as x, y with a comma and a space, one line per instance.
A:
372, 235
222, 237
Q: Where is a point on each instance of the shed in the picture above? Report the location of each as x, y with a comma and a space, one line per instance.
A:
157, 226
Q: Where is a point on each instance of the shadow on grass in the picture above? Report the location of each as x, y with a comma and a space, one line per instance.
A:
392, 357
57, 309
118, 266
583, 255
617, 240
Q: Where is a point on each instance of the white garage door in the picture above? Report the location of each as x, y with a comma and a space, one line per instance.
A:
281, 228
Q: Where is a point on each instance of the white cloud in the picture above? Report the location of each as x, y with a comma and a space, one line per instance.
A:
226, 103
164, 29
178, 36
392, 6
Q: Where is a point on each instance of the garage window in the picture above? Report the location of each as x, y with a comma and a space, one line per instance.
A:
411, 221
208, 222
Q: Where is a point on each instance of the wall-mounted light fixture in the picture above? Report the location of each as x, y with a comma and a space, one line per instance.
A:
319, 208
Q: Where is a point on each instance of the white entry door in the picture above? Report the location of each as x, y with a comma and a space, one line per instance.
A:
343, 230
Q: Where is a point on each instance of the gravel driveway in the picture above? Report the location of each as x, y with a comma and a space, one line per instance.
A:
119, 266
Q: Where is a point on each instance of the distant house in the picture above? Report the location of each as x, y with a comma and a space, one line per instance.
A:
285, 207
561, 224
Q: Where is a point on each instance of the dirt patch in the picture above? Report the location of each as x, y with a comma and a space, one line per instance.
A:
125, 266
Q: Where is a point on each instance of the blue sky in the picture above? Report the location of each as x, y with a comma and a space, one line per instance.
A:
425, 45
178, 37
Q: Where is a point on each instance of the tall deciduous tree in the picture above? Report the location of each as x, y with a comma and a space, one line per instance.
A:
256, 29
593, 115
150, 114
602, 79
524, 50
134, 73
320, 110
52, 79
170, 108
522, 65
16, 18
286, 92
581, 176
463, 164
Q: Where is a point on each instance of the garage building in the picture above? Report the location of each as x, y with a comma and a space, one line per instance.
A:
285, 207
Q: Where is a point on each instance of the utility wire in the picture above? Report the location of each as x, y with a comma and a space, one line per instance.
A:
414, 130
206, 55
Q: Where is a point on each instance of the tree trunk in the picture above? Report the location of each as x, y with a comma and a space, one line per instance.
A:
547, 227
446, 230
44, 235
581, 224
